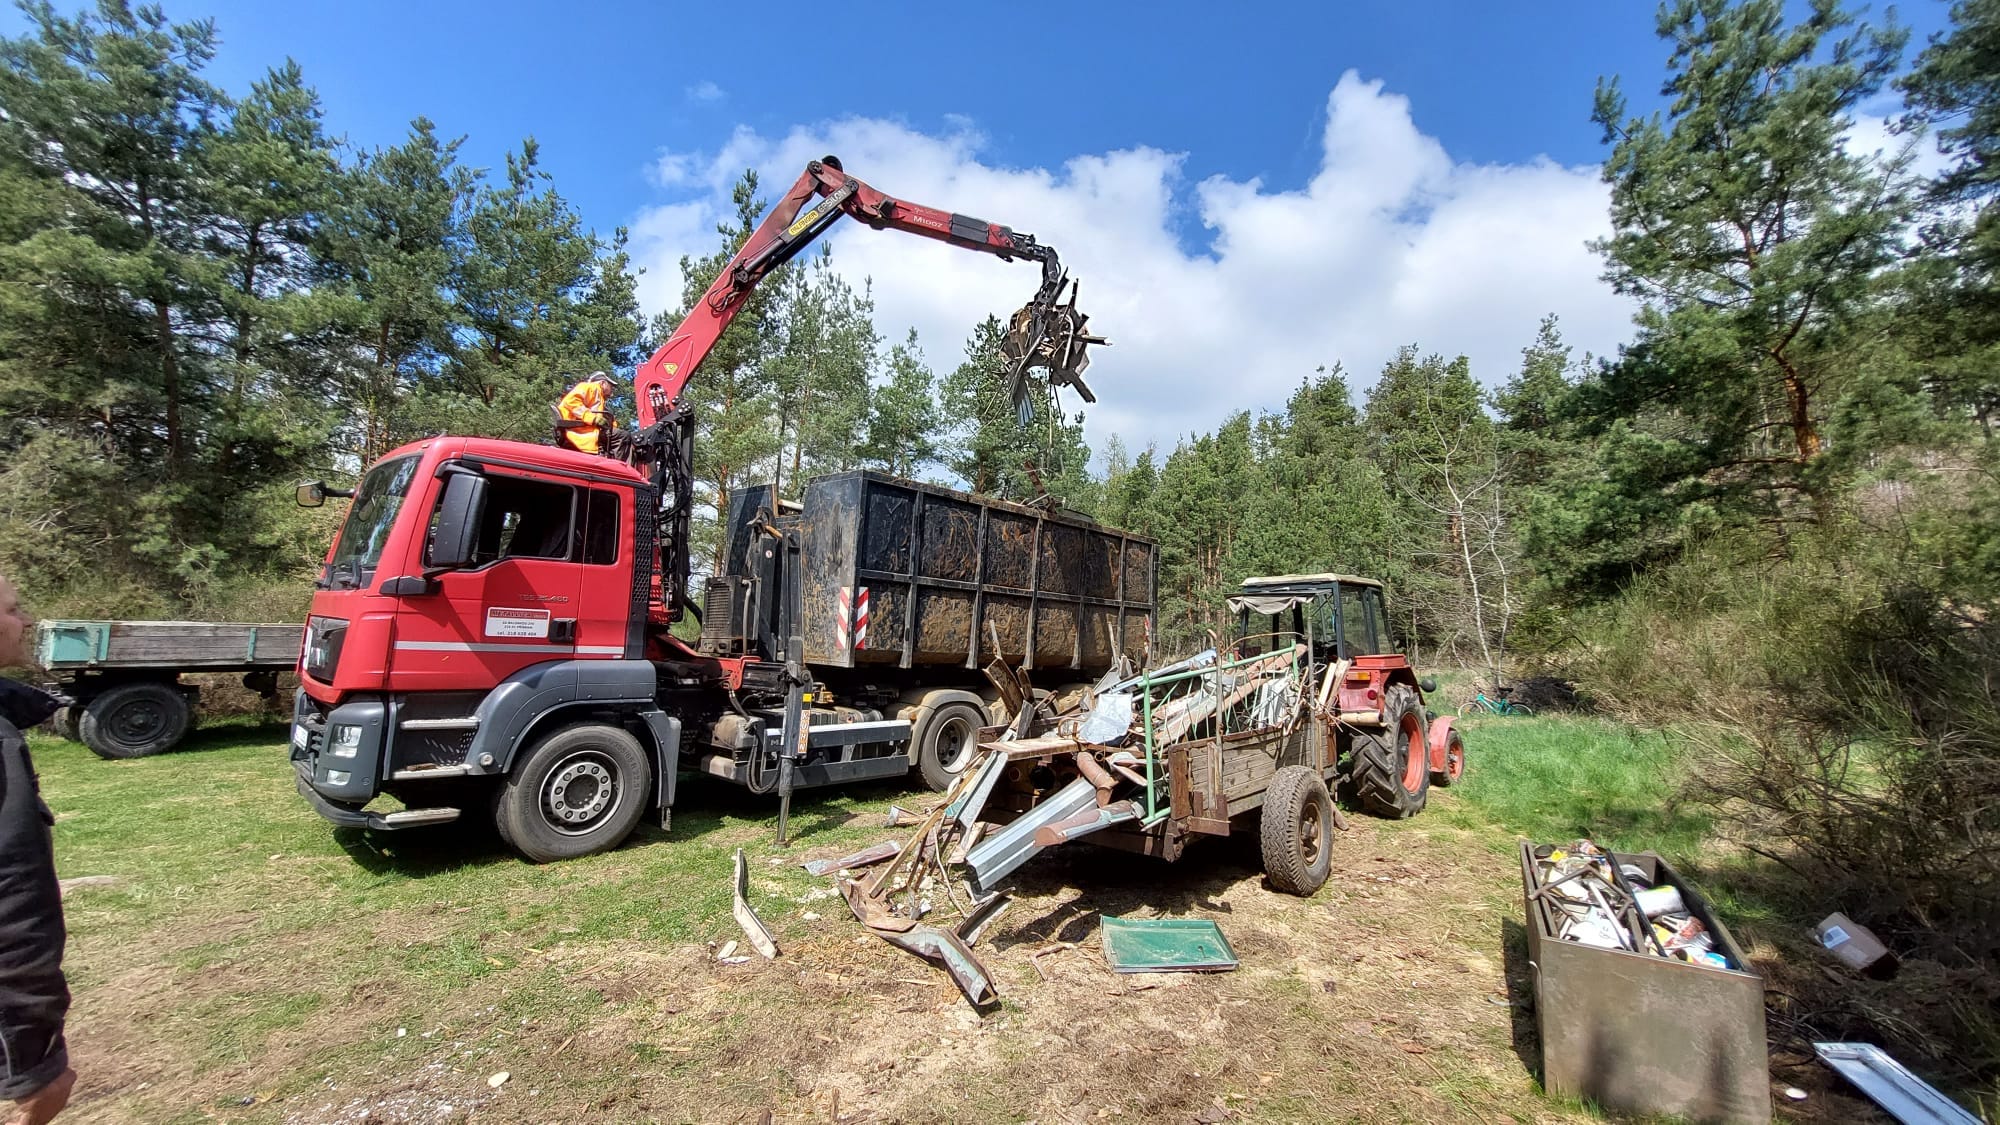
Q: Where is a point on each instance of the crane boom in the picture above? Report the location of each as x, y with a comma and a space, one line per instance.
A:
1044, 334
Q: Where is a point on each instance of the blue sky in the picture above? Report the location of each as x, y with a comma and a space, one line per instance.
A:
1247, 170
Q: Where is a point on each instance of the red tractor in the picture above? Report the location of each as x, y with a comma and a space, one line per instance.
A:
1388, 748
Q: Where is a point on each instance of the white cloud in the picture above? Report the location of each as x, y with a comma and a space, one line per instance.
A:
1391, 242
705, 91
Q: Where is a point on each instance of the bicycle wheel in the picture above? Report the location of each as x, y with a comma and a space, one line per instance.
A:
1520, 709
1471, 707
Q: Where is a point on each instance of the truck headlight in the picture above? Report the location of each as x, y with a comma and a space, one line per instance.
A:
344, 741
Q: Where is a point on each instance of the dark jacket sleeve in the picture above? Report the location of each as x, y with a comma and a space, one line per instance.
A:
33, 995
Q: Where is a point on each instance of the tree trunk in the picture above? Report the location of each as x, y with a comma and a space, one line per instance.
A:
170, 383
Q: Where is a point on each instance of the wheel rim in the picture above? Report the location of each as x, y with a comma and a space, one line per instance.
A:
580, 793
954, 743
1413, 753
137, 722
1454, 760
1310, 838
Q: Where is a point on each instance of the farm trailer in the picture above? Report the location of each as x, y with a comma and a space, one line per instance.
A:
125, 676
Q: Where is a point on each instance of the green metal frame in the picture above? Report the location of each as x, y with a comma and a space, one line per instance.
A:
1154, 813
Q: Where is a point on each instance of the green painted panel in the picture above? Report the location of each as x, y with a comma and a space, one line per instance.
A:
72, 642
1161, 945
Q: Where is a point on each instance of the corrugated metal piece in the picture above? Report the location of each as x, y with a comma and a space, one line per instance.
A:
1903, 1095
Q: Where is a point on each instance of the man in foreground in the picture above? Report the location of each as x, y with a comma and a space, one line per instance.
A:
34, 1060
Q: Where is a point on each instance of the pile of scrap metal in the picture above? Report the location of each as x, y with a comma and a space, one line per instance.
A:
1062, 770
1602, 903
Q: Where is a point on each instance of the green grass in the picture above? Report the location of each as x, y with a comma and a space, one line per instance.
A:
1556, 778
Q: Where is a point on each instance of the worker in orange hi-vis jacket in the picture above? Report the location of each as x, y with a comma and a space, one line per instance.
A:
582, 418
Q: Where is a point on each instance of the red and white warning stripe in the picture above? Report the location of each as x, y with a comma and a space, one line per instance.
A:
851, 605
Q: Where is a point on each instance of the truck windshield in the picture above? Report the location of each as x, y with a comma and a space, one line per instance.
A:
359, 547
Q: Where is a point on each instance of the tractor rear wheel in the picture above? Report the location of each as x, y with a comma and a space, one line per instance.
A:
1390, 772
1296, 831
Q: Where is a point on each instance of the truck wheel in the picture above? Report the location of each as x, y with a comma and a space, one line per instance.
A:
948, 742
1390, 771
134, 720
1297, 831
580, 791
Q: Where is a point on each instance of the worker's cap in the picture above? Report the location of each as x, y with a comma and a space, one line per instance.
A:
606, 377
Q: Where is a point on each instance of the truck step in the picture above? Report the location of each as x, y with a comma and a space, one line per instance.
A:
432, 774
470, 722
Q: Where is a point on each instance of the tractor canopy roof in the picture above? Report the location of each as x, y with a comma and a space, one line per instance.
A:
1281, 592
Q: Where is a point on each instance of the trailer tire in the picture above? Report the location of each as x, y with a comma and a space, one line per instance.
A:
134, 720
947, 740
1390, 772
581, 790
1296, 831
64, 721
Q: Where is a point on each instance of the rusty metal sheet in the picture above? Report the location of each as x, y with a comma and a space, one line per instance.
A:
874, 853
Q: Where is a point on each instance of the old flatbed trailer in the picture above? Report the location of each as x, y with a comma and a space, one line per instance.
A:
125, 676
1309, 706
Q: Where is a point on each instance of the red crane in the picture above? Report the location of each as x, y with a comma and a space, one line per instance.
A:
1045, 334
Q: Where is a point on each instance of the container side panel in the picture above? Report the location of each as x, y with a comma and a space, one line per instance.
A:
885, 528
1100, 565
1139, 573
1009, 616
1055, 634
944, 626
1009, 540
883, 641
1099, 640
950, 541
1063, 563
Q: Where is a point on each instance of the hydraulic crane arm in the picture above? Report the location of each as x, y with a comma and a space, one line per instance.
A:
1045, 333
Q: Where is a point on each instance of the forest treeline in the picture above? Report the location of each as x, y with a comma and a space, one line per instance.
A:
1771, 522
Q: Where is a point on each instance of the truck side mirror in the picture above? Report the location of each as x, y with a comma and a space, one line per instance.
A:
459, 516
313, 493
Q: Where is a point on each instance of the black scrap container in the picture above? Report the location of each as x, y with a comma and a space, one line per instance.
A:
941, 571
1643, 1034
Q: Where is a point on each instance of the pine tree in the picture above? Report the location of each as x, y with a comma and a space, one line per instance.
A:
1750, 233
903, 414
393, 240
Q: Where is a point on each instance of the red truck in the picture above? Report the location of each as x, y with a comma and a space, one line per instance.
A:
491, 631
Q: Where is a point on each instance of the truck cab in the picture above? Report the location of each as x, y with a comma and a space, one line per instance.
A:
478, 596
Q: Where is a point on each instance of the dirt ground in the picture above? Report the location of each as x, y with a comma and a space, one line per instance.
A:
1385, 998
243, 962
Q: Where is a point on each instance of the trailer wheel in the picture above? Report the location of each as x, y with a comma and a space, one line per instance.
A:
134, 720
579, 791
1297, 831
64, 722
948, 742
1390, 772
